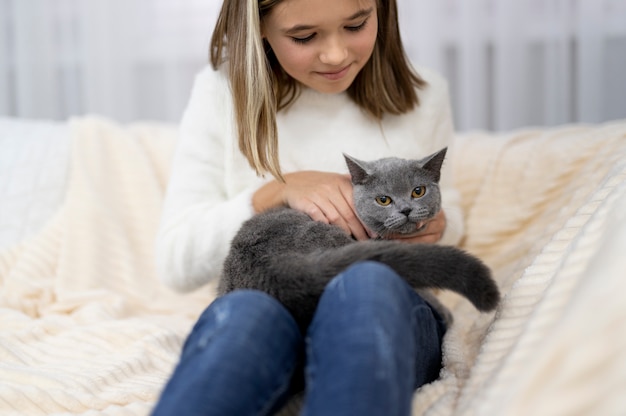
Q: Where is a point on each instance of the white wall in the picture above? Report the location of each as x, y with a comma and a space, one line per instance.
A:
510, 63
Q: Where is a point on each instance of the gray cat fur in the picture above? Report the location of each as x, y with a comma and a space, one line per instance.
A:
286, 254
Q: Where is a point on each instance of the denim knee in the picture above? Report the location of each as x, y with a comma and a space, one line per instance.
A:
253, 304
361, 343
239, 358
370, 297
366, 296
247, 314
369, 281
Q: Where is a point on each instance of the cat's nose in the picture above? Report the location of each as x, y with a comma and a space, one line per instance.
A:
406, 211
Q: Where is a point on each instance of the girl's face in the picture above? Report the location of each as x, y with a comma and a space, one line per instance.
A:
323, 44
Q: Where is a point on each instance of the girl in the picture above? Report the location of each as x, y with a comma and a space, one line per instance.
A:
293, 84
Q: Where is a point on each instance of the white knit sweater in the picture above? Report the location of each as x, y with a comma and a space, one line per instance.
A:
211, 185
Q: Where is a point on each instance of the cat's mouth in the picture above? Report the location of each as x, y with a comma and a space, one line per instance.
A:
408, 230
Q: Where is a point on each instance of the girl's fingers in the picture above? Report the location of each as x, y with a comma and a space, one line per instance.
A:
325, 197
315, 213
341, 213
335, 215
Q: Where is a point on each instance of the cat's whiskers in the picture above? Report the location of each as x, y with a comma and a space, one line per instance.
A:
396, 221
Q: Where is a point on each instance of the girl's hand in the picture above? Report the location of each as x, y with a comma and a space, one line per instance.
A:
324, 196
431, 233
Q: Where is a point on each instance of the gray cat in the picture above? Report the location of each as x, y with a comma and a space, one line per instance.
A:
286, 254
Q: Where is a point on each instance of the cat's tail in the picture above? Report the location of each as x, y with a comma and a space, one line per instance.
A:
423, 266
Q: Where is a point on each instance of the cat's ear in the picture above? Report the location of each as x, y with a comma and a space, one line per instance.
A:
434, 162
358, 173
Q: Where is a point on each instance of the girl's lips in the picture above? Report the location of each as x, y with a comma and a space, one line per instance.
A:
333, 76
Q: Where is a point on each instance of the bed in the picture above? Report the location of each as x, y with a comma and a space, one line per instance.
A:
86, 328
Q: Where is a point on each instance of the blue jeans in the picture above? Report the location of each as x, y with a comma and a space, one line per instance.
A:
371, 343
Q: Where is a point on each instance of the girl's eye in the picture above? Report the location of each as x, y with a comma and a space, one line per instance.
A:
383, 200
304, 40
357, 27
418, 192
309, 38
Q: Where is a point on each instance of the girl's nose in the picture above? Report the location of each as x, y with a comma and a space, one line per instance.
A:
334, 52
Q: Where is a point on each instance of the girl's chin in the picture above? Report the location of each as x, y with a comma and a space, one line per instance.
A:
330, 87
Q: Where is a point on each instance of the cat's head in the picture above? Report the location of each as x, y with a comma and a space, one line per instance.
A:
394, 195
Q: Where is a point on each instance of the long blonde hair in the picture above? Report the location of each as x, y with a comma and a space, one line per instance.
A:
386, 85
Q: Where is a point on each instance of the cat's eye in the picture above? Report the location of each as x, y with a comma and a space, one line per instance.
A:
383, 200
418, 192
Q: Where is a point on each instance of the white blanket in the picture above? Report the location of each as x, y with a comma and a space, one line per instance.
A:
85, 327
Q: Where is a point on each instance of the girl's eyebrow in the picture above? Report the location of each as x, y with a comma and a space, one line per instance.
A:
299, 28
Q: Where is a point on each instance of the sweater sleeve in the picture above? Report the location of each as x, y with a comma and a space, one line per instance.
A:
199, 217
438, 104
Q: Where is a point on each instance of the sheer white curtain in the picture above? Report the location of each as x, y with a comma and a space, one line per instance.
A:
513, 63
509, 63
126, 59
